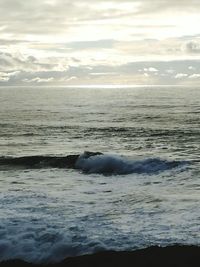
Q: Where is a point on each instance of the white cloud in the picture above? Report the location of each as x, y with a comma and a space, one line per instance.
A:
181, 75
151, 69
194, 76
38, 80
103, 73
70, 79
191, 68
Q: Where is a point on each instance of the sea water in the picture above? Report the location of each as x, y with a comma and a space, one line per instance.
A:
144, 190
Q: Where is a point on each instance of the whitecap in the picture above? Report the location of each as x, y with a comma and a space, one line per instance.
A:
116, 165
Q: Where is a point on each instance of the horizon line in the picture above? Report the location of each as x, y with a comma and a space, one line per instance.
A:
104, 85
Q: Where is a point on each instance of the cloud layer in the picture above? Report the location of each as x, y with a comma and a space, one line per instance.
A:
99, 42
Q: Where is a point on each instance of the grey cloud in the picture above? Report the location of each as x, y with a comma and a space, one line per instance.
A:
44, 76
12, 62
75, 59
166, 5
28, 77
8, 61
162, 66
159, 70
93, 73
193, 47
7, 76
34, 16
11, 41
47, 17
44, 17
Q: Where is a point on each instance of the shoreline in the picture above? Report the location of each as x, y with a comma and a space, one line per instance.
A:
171, 256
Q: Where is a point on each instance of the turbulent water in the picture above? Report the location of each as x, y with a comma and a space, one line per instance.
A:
144, 190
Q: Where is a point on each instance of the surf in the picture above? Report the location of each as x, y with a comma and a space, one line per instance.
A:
93, 162
118, 165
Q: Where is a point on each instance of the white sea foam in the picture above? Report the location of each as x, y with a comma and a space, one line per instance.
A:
110, 164
45, 246
41, 225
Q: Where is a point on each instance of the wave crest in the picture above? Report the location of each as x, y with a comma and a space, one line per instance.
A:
94, 162
115, 165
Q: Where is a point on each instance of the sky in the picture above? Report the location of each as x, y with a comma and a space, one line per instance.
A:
98, 42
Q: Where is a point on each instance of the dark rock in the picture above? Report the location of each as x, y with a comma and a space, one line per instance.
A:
173, 256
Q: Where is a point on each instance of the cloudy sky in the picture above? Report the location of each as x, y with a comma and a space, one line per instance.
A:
81, 42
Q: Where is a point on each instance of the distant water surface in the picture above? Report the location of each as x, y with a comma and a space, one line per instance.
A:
151, 140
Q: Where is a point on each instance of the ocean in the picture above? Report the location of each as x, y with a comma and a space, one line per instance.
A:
143, 190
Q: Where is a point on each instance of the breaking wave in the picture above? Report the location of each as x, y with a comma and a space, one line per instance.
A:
94, 162
115, 165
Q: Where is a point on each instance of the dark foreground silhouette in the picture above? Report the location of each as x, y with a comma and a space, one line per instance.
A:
173, 256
